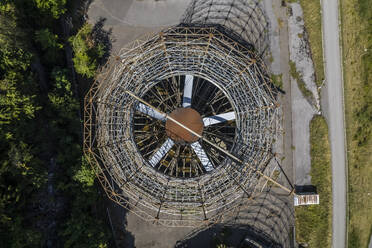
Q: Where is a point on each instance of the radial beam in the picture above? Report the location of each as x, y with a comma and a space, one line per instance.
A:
150, 112
214, 145
154, 160
187, 91
219, 118
204, 160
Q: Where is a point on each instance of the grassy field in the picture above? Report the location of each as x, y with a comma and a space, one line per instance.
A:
357, 63
314, 223
313, 25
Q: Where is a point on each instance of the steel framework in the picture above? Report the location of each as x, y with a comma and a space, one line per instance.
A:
138, 179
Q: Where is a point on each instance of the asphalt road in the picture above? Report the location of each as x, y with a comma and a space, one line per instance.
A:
335, 116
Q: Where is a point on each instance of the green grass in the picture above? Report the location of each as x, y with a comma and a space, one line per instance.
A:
277, 80
301, 84
356, 16
314, 222
313, 25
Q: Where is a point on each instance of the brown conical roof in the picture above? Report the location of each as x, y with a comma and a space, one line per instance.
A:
188, 117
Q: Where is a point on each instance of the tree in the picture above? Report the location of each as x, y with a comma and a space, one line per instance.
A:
49, 44
87, 51
85, 227
16, 81
21, 173
31, 136
55, 8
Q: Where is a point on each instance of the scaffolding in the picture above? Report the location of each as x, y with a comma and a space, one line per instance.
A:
159, 178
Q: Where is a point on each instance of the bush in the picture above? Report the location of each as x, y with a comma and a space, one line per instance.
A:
87, 51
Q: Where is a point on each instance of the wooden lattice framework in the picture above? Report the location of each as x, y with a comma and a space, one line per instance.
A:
208, 52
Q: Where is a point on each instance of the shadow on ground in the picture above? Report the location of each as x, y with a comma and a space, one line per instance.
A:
102, 36
266, 219
231, 236
117, 216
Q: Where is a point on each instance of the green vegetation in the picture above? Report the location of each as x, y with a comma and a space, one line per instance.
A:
314, 222
313, 24
291, 1
356, 18
40, 135
277, 80
301, 84
49, 44
54, 7
87, 51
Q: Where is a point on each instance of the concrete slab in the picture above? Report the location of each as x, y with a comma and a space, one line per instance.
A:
302, 113
131, 19
278, 65
274, 36
303, 110
300, 52
139, 13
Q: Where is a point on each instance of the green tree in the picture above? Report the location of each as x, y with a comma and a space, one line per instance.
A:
49, 44
29, 134
87, 52
14, 105
55, 8
85, 227
21, 172
16, 80
85, 174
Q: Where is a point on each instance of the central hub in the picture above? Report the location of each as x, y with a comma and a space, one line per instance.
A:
188, 117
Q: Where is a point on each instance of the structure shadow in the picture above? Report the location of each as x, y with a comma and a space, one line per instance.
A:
305, 189
117, 218
102, 36
266, 219
246, 18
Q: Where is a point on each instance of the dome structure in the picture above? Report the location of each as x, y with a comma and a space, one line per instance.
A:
181, 125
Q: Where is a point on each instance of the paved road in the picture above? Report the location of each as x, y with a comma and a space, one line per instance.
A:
334, 98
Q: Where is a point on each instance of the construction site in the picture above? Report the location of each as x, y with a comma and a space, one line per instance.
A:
185, 129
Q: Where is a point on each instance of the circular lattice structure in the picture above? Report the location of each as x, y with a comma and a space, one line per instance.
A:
181, 125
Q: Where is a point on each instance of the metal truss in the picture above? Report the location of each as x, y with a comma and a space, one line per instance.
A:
111, 136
